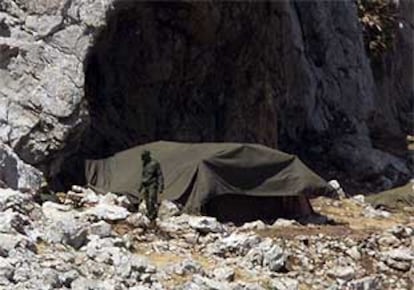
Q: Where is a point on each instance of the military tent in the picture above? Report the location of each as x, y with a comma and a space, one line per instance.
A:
231, 181
393, 199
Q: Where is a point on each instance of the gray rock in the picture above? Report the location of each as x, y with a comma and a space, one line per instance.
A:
101, 229
49, 278
371, 212
401, 254
205, 224
254, 257
108, 199
283, 283
274, 258
187, 267
142, 208
401, 231
366, 283
143, 287
18, 201
343, 273
68, 277
141, 264
63, 226
41, 100
43, 25
359, 198
15, 173
176, 225
354, 253
11, 221
338, 189
388, 240
127, 265
256, 225
168, 209
8, 242
97, 245
399, 259
6, 271
235, 243
224, 274
82, 283
204, 283
78, 188
124, 201
284, 223
138, 220
247, 286
111, 252
89, 197
23, 273
107, 212
266, 254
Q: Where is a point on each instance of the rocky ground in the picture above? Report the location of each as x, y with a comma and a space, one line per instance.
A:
90, 241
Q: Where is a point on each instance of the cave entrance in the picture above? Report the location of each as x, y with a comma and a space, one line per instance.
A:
182, 71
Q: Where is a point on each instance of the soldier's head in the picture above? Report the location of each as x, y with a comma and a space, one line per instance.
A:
146, 156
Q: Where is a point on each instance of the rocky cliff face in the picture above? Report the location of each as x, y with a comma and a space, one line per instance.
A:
88, 78
394, 76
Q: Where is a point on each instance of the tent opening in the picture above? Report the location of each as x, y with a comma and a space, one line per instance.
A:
241, 208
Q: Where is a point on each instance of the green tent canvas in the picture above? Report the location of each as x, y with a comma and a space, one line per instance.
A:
231, 181
394, 199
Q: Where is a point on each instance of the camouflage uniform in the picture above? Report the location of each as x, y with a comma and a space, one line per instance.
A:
152, 184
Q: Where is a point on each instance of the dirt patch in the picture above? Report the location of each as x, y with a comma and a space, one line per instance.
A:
327, 230
122, 228
351, 213
348, 217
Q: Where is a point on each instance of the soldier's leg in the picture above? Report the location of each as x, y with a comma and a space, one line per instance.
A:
152, 204
147, 202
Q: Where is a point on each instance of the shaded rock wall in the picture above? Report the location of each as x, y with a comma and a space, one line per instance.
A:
337, 99
94, 77
394, 76
183, 71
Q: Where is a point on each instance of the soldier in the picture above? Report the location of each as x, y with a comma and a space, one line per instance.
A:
152, 184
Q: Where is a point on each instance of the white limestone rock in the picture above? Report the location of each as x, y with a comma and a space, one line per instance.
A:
205, 224
168, 209
108, 212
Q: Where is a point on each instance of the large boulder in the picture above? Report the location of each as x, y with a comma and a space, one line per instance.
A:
62, 225
43, 45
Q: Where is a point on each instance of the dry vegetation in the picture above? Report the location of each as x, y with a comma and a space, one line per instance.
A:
379, 20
